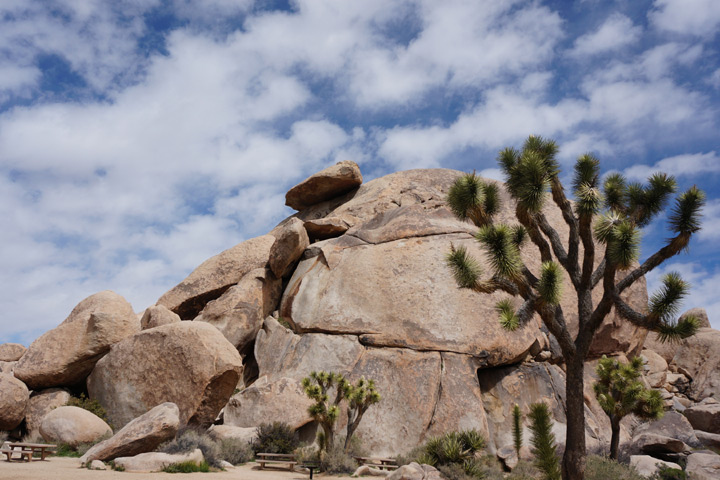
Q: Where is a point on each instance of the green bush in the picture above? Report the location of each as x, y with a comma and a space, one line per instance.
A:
189, 439
336, 461
276, 437
187, 467
667, 473
603, 468
65, 450
455, 471
92, 406
235, 451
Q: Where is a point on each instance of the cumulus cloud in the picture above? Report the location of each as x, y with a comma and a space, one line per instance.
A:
689, 17
617, 32
679, 165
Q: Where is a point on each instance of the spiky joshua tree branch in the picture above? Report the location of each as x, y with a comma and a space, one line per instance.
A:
611, 215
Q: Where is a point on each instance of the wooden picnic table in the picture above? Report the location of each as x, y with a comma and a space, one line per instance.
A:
276, 459
377, 462
27, 450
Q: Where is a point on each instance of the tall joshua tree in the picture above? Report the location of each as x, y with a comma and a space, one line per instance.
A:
611, 215
620, 392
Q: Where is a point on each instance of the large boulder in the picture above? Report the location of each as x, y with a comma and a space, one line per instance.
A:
291, 241
223, 432
41, 403
672, 425
188, 363
699, 356
156, 461
11, 352
217, 274
708, 439
647, 466
240, 311
667, 350
67, 354
7, 367
156, 316
141, 435
651, 443
14, 397
73, 426
705, 417
655, 368
324, 185
703, 466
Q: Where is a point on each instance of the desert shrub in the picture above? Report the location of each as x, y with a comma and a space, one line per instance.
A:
65, 450
92, 406
603, 468
455, 471
667, 473
189, 439
411, 456
276, 437
524, 471
117, 468
187, 467
305, 454
334, 460
235, 451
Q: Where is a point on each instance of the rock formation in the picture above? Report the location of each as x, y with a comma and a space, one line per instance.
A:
73, 426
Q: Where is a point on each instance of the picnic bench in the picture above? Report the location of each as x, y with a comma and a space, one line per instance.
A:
276, 459
27, 450
376, 462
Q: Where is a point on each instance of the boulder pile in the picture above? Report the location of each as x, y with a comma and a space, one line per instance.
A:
355, 282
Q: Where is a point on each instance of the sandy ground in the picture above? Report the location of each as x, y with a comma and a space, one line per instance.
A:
59, 468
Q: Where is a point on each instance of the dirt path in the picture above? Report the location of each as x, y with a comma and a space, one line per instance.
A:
58, 468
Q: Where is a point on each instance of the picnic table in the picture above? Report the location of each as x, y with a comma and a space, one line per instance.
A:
377, 462
27, 450
276, 459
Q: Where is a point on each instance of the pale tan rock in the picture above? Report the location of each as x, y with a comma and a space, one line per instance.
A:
655, 368
141, 435
222, 432
156, 316
699, 356
73, 426
7, 367
659, 444
215, 275
188, 363
14, 397
704, 417
708, 439
67, 354
265, 402
364, 470
700, 314
11, 352
324, 228
673, 425
41, 403
647, 466
703, 466
508, 456
97, 465
240, 311
156, 461
324, 185
291, 240
414, 471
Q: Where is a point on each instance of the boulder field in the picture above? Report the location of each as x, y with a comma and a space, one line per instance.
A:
355, 283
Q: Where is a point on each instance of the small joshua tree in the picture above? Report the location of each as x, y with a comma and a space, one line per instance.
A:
325, 411
620, 392
517, 429
360, 397
608, 216
543, 441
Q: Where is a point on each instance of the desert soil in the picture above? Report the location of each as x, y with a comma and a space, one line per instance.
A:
58, 468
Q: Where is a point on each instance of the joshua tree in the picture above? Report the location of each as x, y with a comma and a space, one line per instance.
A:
317, 386
620, 393
612, 216
359, 396
543, 441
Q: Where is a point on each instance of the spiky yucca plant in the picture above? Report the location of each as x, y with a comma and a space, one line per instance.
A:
610, 214
620, 392
543, 441
517, 429
360, 397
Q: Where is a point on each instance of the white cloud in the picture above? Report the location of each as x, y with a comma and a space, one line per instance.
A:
703, 291
710, 222
690, 17
686, 165
714, 79
617, 32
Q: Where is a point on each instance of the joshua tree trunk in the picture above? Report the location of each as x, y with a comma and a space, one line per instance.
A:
615, 439
573, 465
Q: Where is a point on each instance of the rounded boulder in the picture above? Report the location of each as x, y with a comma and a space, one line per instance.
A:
73, 426
14, 397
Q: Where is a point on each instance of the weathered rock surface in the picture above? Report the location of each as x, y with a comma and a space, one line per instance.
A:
221, 432
67, 354
14, 397
215, 275
291, 240
324, 185
658, 444
240, 311
672, 425
699, 355
667, 350
703, 466
324, 228
11, 352
508, 456
708, 439
141, 435
98, 465
700, 314
705, 417
647, 466
263, 401
73, 426
156, 461
41, 403
7, 367
414, 471
188, 363
364, 470
655, 369
156, 316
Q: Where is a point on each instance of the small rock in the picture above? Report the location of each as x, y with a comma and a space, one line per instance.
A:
291, 240
324, 185
11, 352
508, 456
705, 417
647, 466
225, 464
364, 470
324, 228
97, 465
659, 444
156, 461
414, 471
703, 466
708, 439
156, 316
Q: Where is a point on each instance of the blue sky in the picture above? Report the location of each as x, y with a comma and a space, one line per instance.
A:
139, 138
